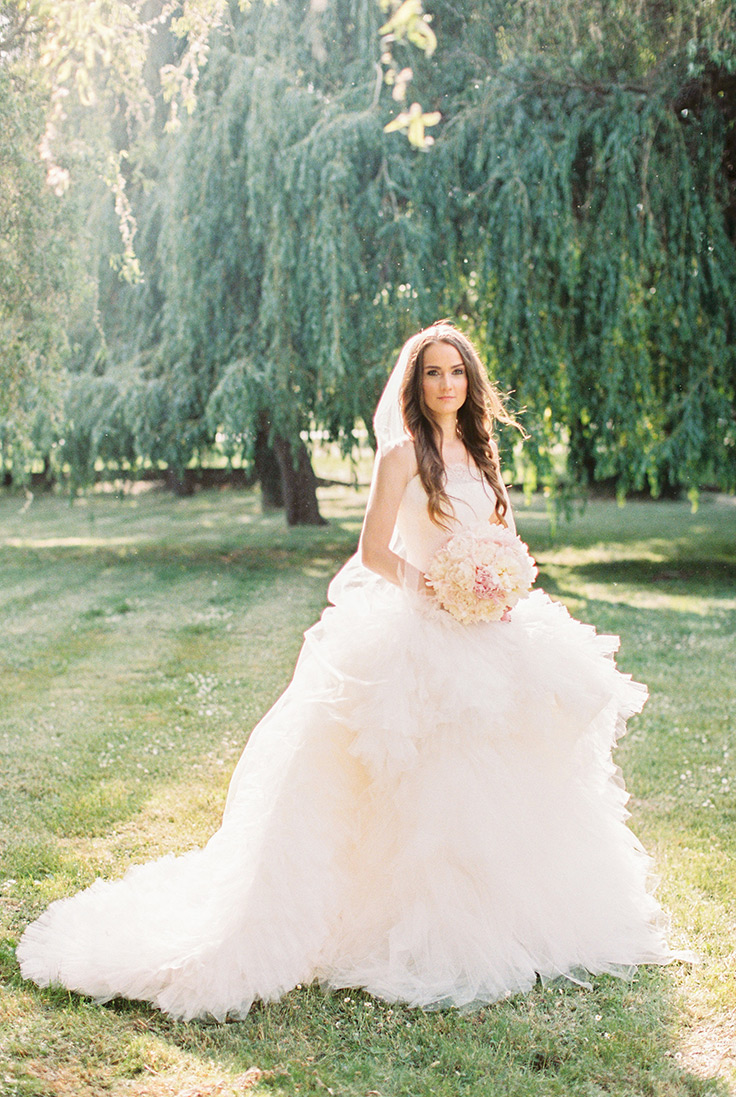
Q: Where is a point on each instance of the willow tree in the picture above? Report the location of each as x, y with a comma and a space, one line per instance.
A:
36, 253
281, 253
582, 191
575, 213
245, 326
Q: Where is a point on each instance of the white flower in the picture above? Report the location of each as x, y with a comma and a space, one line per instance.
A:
481, 573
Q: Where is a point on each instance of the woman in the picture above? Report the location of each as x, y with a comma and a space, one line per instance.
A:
430, 811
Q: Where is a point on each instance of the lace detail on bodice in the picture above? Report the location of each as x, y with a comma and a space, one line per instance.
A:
473, 501
460, 472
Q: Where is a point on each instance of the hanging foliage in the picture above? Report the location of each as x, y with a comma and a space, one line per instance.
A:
575, 214
279, 283
35, 253
586, 215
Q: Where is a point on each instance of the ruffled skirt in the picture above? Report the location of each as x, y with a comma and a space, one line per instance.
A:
430, 812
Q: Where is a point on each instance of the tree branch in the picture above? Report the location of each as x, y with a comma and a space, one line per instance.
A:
20, 31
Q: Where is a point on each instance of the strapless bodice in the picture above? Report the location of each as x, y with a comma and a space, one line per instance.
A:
473, 501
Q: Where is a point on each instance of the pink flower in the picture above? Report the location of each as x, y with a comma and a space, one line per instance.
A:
481, 573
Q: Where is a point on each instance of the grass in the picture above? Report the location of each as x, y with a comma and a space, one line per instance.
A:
143, 636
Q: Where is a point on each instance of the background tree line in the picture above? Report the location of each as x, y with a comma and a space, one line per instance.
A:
576, 213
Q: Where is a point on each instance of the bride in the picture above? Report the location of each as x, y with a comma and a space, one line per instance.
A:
430, 811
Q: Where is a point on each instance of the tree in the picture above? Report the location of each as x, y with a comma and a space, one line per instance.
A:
270, 247
41, 281
591, 238
576, 213
171, 375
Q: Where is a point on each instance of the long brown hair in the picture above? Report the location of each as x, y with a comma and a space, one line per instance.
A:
483, 407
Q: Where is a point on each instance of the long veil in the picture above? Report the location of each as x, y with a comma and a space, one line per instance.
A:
388, 425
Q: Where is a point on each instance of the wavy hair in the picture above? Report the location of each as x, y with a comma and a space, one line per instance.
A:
483, 408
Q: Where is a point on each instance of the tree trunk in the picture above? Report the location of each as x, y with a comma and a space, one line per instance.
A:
39, 481
298, 482
267, 468
180, 481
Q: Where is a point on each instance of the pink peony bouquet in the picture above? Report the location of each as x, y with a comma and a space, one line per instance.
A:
481, 573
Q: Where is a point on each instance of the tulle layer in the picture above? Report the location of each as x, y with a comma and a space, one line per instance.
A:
430, 812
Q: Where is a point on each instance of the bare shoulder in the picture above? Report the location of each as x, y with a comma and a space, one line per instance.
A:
400, 461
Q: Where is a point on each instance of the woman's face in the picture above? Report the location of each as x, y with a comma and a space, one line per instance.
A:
444, 379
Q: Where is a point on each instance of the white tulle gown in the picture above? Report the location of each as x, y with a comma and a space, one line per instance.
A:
429, 812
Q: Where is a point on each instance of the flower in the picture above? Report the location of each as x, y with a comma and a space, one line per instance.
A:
481, 573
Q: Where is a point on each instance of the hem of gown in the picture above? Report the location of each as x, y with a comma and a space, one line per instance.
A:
580, 977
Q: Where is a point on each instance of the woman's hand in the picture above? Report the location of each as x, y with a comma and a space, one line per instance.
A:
427, 588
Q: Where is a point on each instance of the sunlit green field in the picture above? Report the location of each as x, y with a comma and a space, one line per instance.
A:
142, 638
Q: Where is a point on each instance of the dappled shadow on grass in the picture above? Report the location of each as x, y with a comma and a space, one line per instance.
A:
210, 531
672, 587
644, 572
617, 1037
675, 572
274, 555
604, 522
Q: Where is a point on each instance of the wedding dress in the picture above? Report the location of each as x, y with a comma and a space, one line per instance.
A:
430, 812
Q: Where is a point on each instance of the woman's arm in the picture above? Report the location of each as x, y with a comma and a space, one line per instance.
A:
392, 473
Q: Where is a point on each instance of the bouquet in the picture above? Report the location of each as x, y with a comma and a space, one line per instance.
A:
481, 573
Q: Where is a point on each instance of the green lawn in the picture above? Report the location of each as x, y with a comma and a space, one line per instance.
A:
142, 639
